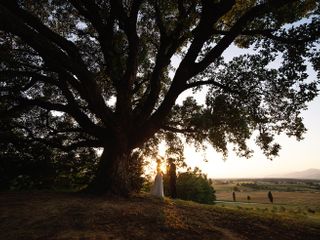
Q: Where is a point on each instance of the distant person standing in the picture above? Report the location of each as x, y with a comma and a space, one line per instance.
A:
270, 196
234, 196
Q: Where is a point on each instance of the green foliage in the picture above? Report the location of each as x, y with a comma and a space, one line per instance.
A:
39, 167
193, 185
35, 165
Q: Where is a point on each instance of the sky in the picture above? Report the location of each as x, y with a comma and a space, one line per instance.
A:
294, 155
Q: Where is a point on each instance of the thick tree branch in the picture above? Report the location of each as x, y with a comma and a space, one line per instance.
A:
159, 20
169, 43
56, 142
104, 26
211, 13
32, 21
58, 60
91, 12
11, 22
74, 109
71, 109
236, 30
125, 84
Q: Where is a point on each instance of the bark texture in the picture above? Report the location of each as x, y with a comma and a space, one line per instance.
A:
112, 173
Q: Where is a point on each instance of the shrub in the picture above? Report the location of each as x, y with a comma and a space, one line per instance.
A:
236, 189
193, 185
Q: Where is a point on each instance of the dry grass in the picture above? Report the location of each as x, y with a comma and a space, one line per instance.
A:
295, 198
73, 216
303, 205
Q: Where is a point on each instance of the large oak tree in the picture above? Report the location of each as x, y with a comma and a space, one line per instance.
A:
99, 73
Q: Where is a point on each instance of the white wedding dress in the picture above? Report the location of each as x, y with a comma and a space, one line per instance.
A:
157, 188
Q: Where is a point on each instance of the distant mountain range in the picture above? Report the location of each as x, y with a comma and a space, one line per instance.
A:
311, 173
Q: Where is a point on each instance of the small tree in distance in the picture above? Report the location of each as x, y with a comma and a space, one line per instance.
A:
270, 196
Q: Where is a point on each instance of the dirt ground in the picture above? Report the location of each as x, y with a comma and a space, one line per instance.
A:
73, 216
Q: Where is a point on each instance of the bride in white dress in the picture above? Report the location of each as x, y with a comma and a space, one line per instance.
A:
157, 188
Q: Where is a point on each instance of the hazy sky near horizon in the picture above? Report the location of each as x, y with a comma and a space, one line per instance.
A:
294, 155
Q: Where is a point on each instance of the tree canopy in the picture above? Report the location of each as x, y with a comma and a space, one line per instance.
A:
99, 73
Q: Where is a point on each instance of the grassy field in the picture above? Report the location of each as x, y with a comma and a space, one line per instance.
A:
73, 216
285, 198
291, 199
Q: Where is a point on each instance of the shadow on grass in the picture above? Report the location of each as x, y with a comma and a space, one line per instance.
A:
73, 216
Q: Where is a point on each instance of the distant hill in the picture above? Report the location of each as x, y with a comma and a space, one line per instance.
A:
311, 173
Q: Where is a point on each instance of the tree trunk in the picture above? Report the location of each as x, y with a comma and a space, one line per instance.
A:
112, 175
